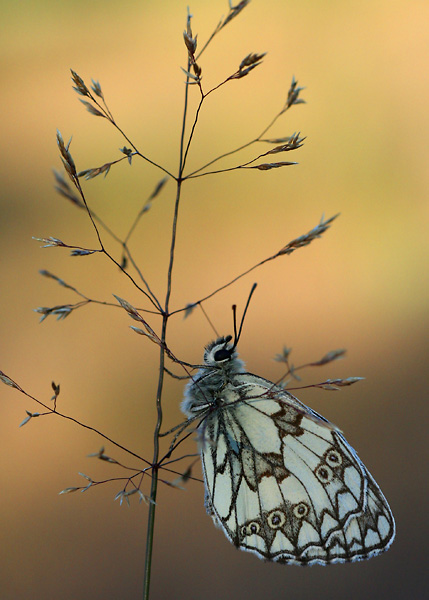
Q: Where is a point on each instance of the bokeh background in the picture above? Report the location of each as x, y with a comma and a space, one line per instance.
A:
364, 286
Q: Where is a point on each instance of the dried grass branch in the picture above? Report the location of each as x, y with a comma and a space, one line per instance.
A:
291, 100
300, 242
234, 11
102, 110
64, 189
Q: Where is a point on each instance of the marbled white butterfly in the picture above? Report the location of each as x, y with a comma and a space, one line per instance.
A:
280, 480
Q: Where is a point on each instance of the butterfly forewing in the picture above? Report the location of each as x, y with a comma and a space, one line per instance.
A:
281, 481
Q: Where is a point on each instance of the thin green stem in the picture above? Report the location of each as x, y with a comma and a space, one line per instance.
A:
166, 315
155, 468
192, 132
155, 462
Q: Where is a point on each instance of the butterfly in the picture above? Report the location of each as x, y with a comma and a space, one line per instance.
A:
280, 480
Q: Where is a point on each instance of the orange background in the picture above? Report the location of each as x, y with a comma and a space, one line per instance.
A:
363, 286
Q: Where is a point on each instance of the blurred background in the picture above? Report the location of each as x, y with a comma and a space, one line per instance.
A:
363, 286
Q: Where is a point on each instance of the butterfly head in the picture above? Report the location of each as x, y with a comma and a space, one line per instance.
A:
221, 354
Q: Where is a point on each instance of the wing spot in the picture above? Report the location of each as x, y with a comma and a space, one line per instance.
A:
334, 458
251, 528
324, 473
301, 510
276, 519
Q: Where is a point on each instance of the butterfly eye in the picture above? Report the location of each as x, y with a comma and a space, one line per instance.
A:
222, 354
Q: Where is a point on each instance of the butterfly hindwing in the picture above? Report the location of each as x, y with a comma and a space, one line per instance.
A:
281, 481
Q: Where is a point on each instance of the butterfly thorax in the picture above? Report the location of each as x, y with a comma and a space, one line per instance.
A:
212, 387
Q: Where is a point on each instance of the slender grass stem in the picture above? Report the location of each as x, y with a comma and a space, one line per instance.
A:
154, 485
166, 315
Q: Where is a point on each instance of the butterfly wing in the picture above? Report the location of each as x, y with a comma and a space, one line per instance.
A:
283, 483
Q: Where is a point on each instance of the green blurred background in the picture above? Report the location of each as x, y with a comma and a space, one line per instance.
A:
364, 286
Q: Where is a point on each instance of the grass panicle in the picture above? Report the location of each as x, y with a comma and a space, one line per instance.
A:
139, 479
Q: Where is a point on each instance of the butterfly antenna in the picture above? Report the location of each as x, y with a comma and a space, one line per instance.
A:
234, 310
234, 320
